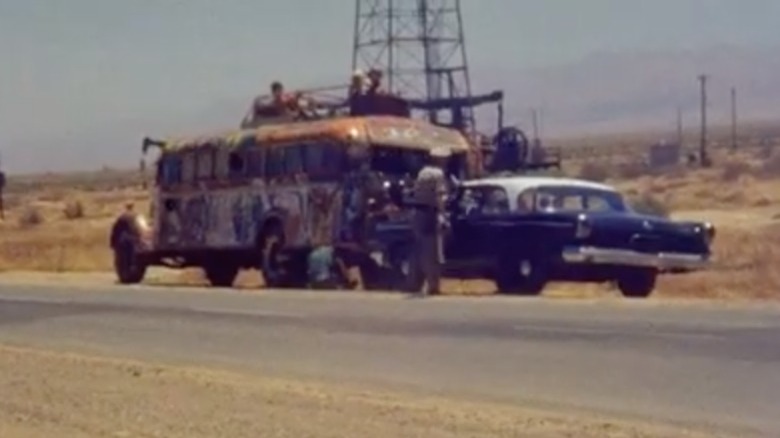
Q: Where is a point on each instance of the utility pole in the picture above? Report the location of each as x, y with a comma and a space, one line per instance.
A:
733, 119
535, 122
679, 127
2, 187
704, 159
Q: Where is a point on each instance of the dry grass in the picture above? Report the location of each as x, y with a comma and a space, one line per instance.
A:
57, 229
740, 194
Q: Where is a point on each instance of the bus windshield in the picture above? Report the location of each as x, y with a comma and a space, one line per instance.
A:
407, 163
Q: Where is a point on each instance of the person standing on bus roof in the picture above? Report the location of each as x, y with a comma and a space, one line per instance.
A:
430, 191
374, 82
356, 93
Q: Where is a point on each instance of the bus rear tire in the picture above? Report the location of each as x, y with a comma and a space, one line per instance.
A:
220, 274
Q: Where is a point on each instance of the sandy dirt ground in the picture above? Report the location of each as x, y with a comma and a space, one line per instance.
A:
48, 394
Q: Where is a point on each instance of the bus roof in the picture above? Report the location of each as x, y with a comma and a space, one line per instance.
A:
374, 130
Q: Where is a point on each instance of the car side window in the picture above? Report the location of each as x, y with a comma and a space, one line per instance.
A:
573, 202
496, 201
597, 203
469, 202
525, 201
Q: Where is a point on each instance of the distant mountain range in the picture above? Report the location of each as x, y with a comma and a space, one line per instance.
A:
608, 92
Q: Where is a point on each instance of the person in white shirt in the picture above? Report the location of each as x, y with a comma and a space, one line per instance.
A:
430, 191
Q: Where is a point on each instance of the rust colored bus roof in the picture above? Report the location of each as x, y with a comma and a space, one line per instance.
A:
373, 130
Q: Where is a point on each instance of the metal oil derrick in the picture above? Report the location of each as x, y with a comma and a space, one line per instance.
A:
419, 46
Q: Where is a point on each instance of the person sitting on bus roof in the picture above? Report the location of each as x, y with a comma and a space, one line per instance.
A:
284, 102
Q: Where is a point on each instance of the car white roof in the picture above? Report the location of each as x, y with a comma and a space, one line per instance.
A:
517, 184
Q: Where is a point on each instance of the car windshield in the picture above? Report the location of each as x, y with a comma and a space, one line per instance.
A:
569, 198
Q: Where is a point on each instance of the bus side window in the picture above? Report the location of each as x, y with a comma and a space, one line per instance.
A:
255, 162
236, 164
293, 160
274, 164
205, 169
325, 161
169, 171
159, 177
188, 168
314, 162
221, 165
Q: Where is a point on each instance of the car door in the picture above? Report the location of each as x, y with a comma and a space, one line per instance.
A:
475, 232
459, 242
489, 224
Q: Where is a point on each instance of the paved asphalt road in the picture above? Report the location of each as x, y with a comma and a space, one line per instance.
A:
698, 364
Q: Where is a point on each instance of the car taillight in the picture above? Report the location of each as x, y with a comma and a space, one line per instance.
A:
583, 227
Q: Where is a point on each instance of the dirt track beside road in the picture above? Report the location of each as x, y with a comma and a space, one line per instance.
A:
48, 394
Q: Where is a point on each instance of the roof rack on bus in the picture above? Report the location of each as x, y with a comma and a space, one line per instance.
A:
321, 103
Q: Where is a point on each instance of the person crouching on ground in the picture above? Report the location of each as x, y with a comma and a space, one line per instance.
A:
326, 269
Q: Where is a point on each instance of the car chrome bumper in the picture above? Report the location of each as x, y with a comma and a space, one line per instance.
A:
665, 261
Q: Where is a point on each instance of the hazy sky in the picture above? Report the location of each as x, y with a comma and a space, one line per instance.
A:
72, 71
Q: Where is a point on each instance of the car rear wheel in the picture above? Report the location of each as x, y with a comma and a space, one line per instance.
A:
637, 283
524, 277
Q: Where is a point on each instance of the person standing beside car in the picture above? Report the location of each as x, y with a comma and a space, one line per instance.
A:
430, 191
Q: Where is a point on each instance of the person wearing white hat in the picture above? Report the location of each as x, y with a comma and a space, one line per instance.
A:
358, 82
430, 191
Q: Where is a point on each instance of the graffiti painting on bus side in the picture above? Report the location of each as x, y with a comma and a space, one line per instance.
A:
291, 203
323, 212
220, 226
170, 222
194, 218
349, 208
247, 214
